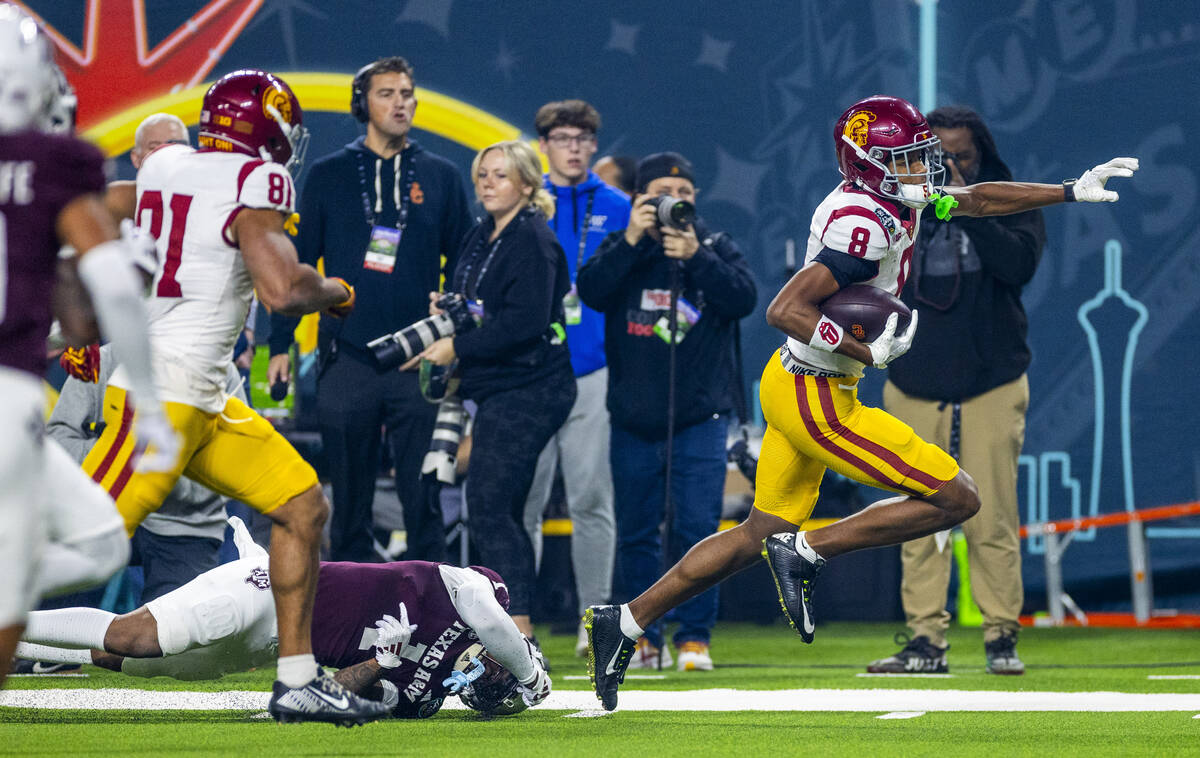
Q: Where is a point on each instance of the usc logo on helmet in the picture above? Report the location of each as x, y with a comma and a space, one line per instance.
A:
273, 96
856, 127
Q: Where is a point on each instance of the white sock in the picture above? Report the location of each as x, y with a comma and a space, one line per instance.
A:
629, 627
71, 627
805, 550
47, 654
297, 670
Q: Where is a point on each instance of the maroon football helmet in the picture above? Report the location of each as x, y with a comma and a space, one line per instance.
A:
255, 113
879, 141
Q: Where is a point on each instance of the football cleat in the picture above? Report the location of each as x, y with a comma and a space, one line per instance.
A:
694, 656
609, 652
26, 666
647, 656
794, 576
1002, 656
918, 656
323, 699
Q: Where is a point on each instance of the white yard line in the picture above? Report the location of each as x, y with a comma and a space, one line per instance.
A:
902, 715
1173, 676
911, 676
868, 701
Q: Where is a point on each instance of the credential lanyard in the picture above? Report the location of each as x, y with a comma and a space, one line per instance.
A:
410, 176
587, 223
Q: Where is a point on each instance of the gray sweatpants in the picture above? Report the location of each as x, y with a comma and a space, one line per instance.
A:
581, 445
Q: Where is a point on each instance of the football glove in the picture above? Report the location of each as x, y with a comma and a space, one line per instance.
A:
537, 687
141, 248
889, 346
157, 447
342, 309
392, 636
83, 363
1090, 187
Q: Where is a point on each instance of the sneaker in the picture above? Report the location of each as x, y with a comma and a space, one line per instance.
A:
609, 651
919, 656
794, 576
26, 666
1002, 656
647, 657
581, 641
693, 656
322, 699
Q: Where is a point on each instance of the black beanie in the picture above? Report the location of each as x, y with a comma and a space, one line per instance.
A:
662, 164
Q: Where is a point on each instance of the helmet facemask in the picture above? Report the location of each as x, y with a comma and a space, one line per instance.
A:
296, 135
489, 688
896, 164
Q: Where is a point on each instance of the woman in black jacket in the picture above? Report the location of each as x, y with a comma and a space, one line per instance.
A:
514, 364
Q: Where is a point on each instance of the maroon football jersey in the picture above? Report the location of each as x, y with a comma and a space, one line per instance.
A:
351, 597
39, 175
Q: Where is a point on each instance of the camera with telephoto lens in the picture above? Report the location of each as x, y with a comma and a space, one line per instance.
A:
392, 350
672, 212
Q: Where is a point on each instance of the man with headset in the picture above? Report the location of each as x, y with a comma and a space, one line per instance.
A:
386, 216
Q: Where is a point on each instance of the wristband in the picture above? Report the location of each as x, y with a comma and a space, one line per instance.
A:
826, 336
1069, 190
349, 297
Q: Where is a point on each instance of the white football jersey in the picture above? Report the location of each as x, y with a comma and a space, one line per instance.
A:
187, 200
856, 222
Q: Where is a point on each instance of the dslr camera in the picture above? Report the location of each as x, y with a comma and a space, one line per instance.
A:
392, 350
672, 212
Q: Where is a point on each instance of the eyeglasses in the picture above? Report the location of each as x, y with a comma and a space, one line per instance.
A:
563, 140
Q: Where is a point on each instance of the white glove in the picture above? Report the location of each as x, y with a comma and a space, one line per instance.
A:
537, 688
141, 248
1090, 187
889, 346
392, 636
157, 442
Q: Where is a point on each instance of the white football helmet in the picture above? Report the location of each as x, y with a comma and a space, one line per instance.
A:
27, 80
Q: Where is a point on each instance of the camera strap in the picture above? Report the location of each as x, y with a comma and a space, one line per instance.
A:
583, 231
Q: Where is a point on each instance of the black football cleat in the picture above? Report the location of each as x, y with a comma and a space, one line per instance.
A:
26, 666
609, 651
322, 699
794, 576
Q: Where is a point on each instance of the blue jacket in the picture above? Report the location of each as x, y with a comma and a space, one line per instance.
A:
610, 212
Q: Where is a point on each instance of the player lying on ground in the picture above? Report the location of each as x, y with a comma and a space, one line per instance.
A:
224, 621
863, 232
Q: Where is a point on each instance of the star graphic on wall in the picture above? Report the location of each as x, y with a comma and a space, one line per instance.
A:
285, 9
737, 182
622, 37
115, 68
714, 52
432, 13
505, 61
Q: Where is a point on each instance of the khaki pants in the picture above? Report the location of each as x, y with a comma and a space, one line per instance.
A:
992, 432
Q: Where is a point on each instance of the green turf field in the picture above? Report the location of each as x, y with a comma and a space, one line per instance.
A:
1084, 661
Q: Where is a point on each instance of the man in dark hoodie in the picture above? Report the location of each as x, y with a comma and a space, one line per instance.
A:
967, 276
388, 217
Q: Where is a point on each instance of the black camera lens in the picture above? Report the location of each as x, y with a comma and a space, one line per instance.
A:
673, 212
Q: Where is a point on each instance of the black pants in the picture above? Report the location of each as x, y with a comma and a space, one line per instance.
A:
354, 401
168, 563
511, 428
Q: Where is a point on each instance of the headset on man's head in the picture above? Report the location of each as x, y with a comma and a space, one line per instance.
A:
362, 85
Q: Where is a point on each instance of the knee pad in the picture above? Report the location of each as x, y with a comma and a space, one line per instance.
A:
207, 621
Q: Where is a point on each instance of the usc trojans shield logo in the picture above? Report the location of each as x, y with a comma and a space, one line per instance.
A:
856, 127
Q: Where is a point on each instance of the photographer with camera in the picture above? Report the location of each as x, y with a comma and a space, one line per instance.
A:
668, 279
511, 353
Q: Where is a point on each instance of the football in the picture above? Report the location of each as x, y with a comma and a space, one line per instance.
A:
863, 310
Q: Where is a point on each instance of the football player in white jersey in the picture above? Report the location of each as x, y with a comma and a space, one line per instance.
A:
218, 215
862, 233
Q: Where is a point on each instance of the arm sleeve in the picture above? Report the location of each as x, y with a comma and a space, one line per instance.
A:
601, 277
720, 269
1009, 247
847, 269
525, 303
475, 601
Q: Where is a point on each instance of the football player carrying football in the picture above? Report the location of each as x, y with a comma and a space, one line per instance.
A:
51, 189
863, 232
218, 214
223, 622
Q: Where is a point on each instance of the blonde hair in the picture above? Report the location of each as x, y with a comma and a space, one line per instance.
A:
521, 160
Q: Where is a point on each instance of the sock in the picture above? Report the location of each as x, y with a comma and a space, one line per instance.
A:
805, 551
47, 654
297, 670
70, 627
629, 627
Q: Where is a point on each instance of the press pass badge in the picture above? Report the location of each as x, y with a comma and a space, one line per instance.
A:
381, 250
572, 308
687, 316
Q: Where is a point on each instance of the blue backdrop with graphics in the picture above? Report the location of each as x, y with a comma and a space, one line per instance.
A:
750, 91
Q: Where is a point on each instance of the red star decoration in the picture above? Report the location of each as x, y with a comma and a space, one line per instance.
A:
115, 70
